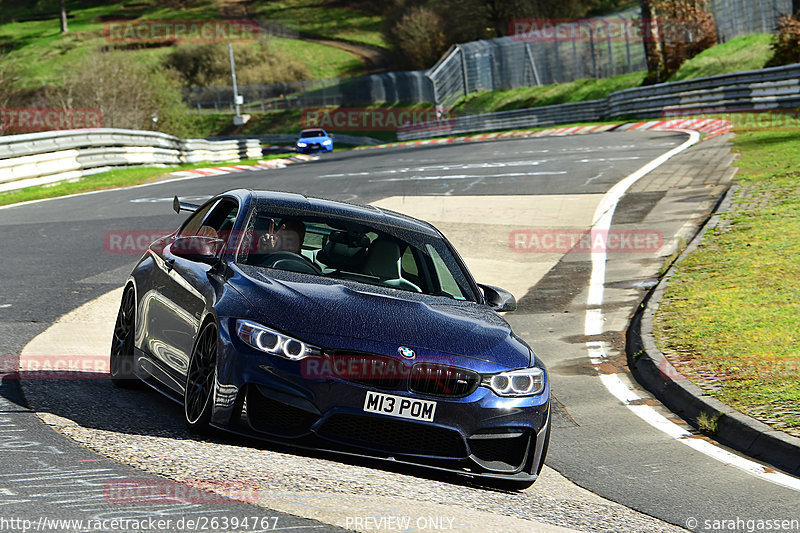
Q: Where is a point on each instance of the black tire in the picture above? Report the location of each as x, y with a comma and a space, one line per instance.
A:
198, 397
121, 360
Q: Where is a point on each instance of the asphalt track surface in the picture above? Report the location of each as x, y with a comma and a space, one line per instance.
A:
54, 260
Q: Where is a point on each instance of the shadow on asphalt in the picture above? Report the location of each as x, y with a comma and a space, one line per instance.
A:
93, 402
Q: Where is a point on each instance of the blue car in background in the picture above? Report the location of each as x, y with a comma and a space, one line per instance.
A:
334, 326
314, 140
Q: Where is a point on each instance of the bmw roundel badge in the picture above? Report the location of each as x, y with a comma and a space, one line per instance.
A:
406, 353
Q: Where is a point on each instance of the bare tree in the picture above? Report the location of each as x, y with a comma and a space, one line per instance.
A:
796, 7
63, 10
420, 37
653, 45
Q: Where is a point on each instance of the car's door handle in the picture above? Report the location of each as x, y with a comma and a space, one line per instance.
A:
169, 263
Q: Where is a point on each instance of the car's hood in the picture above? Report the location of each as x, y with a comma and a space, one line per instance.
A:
312, 139
352, 316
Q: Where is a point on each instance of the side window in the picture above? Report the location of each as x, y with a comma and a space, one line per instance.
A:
447, 282
408, 265
215, 220
220, 220
195, 220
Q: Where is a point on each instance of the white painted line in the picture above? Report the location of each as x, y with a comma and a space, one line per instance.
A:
605, 211
616, 387
593, 325
469, 176
5, 306
652, 417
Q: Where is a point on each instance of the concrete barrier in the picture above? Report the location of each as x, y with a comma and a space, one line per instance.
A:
48, 157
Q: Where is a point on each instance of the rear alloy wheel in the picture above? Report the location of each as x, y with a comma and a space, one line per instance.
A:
122, 358
199, 394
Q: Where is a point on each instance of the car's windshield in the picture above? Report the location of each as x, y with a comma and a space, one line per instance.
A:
387, 256
312, 133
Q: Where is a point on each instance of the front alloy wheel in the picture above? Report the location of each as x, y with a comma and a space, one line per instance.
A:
199, 394
122, 358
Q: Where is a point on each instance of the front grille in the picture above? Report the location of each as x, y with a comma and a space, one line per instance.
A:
501, 451
368, 369
442, 380
276, 418
393, 436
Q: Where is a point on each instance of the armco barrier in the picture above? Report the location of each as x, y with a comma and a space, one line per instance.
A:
521, 118
758, 90
52, 156
768, 88
291, 138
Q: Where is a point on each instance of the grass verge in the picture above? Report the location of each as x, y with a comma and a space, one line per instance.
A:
561, 93
112, 179
743, 53
30, 34
730, 318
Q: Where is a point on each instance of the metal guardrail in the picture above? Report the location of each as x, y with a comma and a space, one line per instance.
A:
758, 90
47, 157
290, 138
504, 120
779, 85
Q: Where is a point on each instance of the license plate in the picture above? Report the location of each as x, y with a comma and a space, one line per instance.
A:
398, 406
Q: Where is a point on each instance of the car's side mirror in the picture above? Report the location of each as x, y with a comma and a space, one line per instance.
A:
198, 248
498, 299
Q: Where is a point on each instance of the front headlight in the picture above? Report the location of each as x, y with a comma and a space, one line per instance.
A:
327, 142
301, 145
525, 382
270, 341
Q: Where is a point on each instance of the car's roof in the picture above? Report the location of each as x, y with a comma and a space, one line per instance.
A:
298, 203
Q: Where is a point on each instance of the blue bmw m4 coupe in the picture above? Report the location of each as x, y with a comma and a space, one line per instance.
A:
314, 140
334, 326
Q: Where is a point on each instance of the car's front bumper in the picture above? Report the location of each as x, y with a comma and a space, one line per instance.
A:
313, 148
480, 434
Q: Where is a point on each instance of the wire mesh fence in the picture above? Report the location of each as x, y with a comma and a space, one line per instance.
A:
538, 52
541, 52
736, 18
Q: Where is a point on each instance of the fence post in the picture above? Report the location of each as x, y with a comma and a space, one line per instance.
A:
463, 70
533, 64
610, 61
627, 44
575, 61
591, 49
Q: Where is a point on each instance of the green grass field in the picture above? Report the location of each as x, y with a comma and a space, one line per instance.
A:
743, 53
325, 19
562, 93
731, 314
42, 54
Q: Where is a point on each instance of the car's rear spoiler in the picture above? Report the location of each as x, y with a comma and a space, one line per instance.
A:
179, 206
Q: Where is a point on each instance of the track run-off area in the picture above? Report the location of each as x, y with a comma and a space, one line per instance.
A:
524, 214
